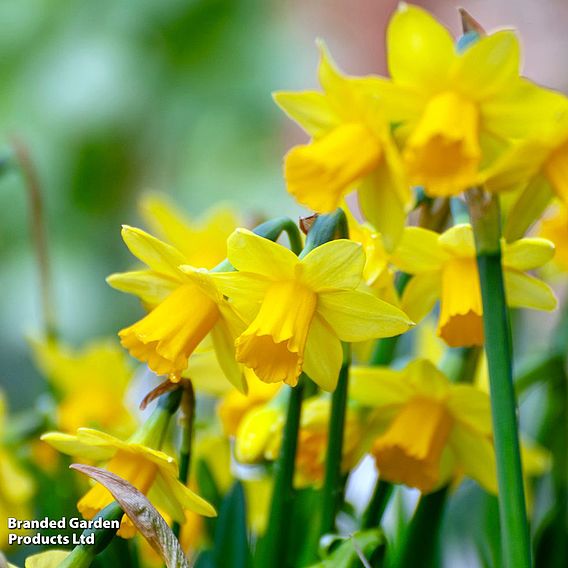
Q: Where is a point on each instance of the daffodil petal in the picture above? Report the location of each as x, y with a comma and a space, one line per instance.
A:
47, 559
241, 286
426, 379
310, 109
156, 254
523, 110
419, 251
399, 103
528, 206
525, 291
187, 498
357, 316
527, 254
224, 344
71, 446
335, 264
458, 241
489, 65
162, 498
382, 198
379, 387
476, 456
323, 355
248, 252
150, 287
471, 407
420, 50
420, 295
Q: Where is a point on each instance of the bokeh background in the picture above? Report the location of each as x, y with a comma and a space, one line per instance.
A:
118, 97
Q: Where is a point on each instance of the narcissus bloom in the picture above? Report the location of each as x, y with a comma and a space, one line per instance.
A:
455, 109
203, 241
429, 429
91, 383
259, 437
185, 308
152, 472
299, 310
351, 148
445, 267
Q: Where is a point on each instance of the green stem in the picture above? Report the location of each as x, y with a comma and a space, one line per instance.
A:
373, 515
188, 415
420, 545
333, 484
39, 235
83, 554
272, 548
484, 212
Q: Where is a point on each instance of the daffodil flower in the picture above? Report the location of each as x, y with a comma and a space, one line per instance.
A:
203, 241
299, 310
445, 267
455, 110
554, 227
259, 437
152, 472
351, 148
185, 307
91, 382
429, 430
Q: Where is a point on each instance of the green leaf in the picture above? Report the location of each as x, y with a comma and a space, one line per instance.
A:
357, 550
231, 546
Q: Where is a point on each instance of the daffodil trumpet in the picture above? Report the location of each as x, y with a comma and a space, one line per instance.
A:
484, 212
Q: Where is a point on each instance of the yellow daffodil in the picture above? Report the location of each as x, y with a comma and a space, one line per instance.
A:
152, 472
444, 266
555, 228
235, 405
455, 109
351, 148
259, 437
203, 242
429, 429
91, 383
16, 485
301, 309
185, 308
47, 559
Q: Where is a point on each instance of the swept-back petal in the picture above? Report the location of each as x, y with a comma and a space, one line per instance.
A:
379, 387
310, 109
224, 344
70, 445
489, 65
458, 241
475, 454
426, 379
323, 355
472, 407
335, 264
156, 254
527, 254
419, 251
357, 316
420, 295
420, 50
186, 497
524, 291
248, 252
150, 287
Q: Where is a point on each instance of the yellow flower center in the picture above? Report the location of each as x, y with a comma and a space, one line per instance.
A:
133, 468
273, 344
461, 322
168, 335
320, 173
443, 152
410, 450
556, 170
